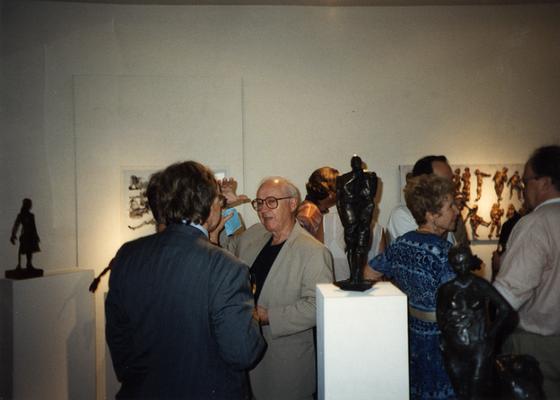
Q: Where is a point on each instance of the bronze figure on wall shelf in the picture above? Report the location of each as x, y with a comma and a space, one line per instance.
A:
466, 178
475, 220
496, 214
479, 177
28, 243
457, 180
500, 178
515, 183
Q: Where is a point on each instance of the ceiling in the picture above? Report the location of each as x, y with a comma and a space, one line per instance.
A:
327, 3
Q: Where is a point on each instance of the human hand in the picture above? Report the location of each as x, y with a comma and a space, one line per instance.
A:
214, 235
262, 315
229, 188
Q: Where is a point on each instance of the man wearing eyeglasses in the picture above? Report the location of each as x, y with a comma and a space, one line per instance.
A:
529, 276
286, 265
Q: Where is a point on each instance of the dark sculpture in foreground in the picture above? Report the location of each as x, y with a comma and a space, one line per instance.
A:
28, 243
355, 196
472, 317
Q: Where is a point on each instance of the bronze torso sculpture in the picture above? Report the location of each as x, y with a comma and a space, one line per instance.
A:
473, 318
355, 193
468, 337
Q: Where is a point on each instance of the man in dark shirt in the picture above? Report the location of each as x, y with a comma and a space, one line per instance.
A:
179, 309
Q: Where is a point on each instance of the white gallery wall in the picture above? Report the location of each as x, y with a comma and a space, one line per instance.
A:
90, 90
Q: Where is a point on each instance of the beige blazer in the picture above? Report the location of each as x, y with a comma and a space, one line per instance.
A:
287, 370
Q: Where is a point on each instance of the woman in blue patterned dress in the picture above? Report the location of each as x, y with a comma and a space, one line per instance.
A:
417, 263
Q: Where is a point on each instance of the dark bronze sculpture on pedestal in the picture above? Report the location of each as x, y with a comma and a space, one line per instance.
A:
355, 194
28, 243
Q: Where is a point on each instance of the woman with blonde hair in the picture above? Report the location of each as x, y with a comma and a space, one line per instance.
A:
417, 262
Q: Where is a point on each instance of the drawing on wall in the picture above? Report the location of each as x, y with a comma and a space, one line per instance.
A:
137, 219
486, 194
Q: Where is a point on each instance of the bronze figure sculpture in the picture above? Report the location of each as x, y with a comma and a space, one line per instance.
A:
479, 177
500, 178
355, 193
468, 335
28, 243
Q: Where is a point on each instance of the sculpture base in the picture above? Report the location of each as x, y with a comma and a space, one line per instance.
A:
350, 285
24, 273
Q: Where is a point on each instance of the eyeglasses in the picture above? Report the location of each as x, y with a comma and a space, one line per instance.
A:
271, 202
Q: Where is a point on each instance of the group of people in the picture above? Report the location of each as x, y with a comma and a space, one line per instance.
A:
194, 313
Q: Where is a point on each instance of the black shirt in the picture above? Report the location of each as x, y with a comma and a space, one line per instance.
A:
262, 264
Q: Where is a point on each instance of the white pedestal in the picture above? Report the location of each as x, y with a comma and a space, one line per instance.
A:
362, 343
47, 337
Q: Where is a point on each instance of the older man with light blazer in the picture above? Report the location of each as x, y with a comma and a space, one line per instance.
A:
286, 265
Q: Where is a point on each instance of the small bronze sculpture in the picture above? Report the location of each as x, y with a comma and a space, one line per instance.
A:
468, 335
496, 214
475, 221
466, 178
457, 180
500, 178
355, 193
515, 183
28, 243
479, 177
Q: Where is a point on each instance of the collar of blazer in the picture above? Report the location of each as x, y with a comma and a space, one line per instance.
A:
283, 255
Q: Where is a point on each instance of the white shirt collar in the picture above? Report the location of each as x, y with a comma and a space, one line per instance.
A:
549, 201
199, 227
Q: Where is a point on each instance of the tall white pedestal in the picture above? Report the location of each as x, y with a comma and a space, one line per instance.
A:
362, 343
47, 337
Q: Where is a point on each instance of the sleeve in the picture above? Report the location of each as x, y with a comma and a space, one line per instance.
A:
231, 243
301, 315
523, 263
400, 222
309, 217
118, 332
236, 331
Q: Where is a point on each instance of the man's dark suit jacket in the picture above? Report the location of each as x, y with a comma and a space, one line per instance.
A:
179, 318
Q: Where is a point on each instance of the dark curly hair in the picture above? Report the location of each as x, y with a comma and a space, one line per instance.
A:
545, 161
426, 193
321, 182
186, 192
153, 192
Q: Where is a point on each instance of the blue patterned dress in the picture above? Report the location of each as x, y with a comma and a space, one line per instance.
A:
417, 264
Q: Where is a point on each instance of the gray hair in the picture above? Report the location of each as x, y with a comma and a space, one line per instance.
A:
288, 187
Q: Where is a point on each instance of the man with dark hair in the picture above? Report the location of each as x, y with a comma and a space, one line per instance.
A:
401, 220
179, 309
529, 275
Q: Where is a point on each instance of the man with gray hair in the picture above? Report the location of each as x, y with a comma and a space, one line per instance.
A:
286, 265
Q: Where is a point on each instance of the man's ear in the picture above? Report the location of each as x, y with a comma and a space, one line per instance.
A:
293, 204
546, 183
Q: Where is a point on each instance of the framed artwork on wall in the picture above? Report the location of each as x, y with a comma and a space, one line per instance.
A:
136, 218
489, 194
